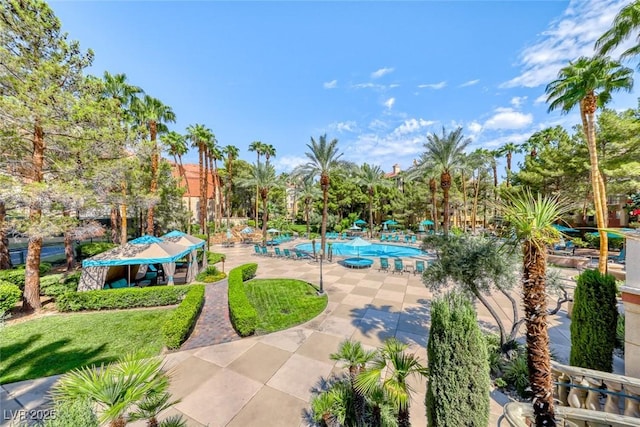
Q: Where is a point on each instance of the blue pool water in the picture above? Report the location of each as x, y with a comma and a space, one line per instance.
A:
373, 250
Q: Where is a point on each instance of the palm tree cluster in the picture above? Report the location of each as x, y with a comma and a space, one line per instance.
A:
375, 392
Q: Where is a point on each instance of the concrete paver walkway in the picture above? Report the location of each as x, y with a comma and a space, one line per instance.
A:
267, 380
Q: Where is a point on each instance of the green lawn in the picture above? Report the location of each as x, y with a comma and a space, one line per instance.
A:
59, 343
282, 303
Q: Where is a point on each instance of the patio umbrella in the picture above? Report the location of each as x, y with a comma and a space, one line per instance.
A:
426, 222
228, 234
390, 222
360, 222
358, 243
247, 230
273, 230
354, 227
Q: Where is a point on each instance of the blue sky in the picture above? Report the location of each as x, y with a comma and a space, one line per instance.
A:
378, 76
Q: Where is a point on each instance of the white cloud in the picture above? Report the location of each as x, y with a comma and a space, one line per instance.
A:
517, 138
377, 124
412, 126
567, 38
381, 72
393, 85
540, 100
348, 126
470, 83
288, 163
439, 85
331, 85
474, 127
389, 103
505, 118
365, 85
517, 101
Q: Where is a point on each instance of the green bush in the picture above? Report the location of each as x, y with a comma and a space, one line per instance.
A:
14, 276
594, 321
76, 412
458, 388
214, 258
210, 275
242, 314
249, 271
109, 299
9, 295
176, 329
516, 374
54, 285
620, 332
201, 236
87, 250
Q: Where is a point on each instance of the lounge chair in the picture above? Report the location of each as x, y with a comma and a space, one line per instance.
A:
301, 255
618, 259
278, 253
383, 237
397, 238
288, 254
384, 264
398, 266
257, 249
419, 267
414, 239
264, 251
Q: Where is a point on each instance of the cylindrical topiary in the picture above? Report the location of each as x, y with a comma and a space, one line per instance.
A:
593, 322
458, 389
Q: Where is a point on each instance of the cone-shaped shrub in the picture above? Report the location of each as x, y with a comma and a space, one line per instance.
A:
594, 321
458, 390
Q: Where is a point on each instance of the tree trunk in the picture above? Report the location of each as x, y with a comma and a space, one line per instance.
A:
494, 167
324, 183
464, 202
307, 212
509, 154
203, 194
265, 216
434, 203
207, 175
474, 212
123, 213
370, 214
403, 417
599, 192
445, 209
534, 299
153, 189
5, 256
113, 220
68, 247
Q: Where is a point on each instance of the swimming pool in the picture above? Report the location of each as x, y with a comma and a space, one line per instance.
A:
373, 250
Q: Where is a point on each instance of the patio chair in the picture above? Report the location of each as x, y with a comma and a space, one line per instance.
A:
301, 255
419, 267
383, 237
264, 251
397, 238
414, 239
257, 249
398, 266
618, 259
278, 253
288, 254
384, 264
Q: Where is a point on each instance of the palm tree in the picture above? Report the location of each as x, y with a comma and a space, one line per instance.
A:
531, 219
371, 177
269, 151
263, 176
259, 148
626, 22
114, 388
215, 154
444, 151
308, 192
154, 115
507, 150
232, 152
323, 160
589, 83
151, 406
355, 359
176, 145
199, 135
398, 365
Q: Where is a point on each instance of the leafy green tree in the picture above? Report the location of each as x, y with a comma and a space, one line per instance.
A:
308, 193
444, 151
371, 177
458, 389
589, 83
531, 220
264, 177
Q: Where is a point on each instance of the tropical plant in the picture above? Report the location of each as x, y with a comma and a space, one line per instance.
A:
264, 178
589, 83
215, 153
176, 145
232, 152
371, 177
150, 407
323, 161
198, 134
530, 219
625, 24
391, 369
444, 151
308, 193
259, 148
507, 150
457, 355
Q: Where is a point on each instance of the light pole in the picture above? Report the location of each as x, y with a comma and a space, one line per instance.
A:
321, 292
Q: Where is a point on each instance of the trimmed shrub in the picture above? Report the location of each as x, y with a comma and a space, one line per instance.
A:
242, 314
54, 285
9, 295
210, 275
16, 275
109, 299
176, 329
214, 258
200, 236
458, 389
249, 271
75, 412
594, 321
87, 250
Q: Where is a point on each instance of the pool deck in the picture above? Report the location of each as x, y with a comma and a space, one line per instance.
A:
244, 382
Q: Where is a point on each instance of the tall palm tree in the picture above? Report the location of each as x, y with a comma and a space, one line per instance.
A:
398, 365
154, 115
232, 152
308, 192
531, 219
355, 359
626, 23
371, 177
269, 151
215, 154
176, 146
589, 83
199, 135
507, 150
259, 148
116, 87
324, 159
263, 176
444, 151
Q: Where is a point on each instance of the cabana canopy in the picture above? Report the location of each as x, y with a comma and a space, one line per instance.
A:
183, 239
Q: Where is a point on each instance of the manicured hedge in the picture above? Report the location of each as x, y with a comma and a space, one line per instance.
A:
16, 275
54, 285
108, 299
9, 295
210, 275
177, 327
243, 315
87, 250
214, 257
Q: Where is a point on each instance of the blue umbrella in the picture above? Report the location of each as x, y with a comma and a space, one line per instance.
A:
563, 229
247, 230
390, 222
358, 243
426, 222
360, 222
